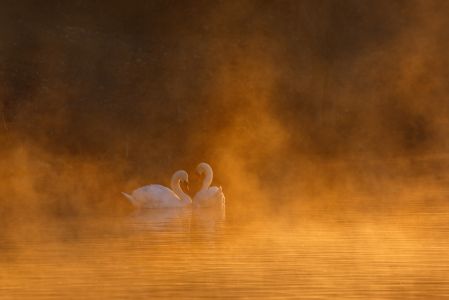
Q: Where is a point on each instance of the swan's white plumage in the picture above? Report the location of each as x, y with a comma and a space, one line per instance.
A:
208, 196
154, 196
158, 196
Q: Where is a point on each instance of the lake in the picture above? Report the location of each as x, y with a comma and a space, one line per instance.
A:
194, 254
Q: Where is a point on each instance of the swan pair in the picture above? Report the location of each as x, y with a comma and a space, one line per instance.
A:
158, 196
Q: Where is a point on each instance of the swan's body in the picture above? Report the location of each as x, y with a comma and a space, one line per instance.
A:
208, 196
158, 196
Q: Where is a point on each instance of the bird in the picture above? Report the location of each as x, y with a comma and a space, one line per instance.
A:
208, 196
159, 196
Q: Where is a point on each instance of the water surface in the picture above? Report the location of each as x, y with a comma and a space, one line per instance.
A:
201, 254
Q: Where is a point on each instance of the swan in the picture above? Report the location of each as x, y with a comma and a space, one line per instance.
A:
158, 196
208, 196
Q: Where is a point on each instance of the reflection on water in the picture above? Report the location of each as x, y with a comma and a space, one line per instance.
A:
199, 254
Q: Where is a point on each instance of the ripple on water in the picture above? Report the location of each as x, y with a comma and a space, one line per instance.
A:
199, 254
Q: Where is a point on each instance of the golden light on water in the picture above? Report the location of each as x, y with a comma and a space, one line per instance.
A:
326, 124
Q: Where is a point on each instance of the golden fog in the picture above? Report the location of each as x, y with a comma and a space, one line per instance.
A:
295, 104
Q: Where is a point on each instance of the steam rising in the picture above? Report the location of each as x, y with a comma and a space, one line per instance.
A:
293, 103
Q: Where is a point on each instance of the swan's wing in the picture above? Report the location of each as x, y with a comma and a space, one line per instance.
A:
154, 195
158, 189
213, 196
215, 192
206, 194
218, 197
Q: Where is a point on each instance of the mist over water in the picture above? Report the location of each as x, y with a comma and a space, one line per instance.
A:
327, 115
278, 98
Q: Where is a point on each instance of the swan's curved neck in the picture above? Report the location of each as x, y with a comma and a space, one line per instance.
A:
176, 187
209, 175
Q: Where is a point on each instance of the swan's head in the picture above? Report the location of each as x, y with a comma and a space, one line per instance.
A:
203, 168
182, 176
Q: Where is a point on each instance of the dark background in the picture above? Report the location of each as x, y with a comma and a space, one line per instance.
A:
282, 98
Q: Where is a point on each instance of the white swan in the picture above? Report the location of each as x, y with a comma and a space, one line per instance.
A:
158, 196
208, 196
